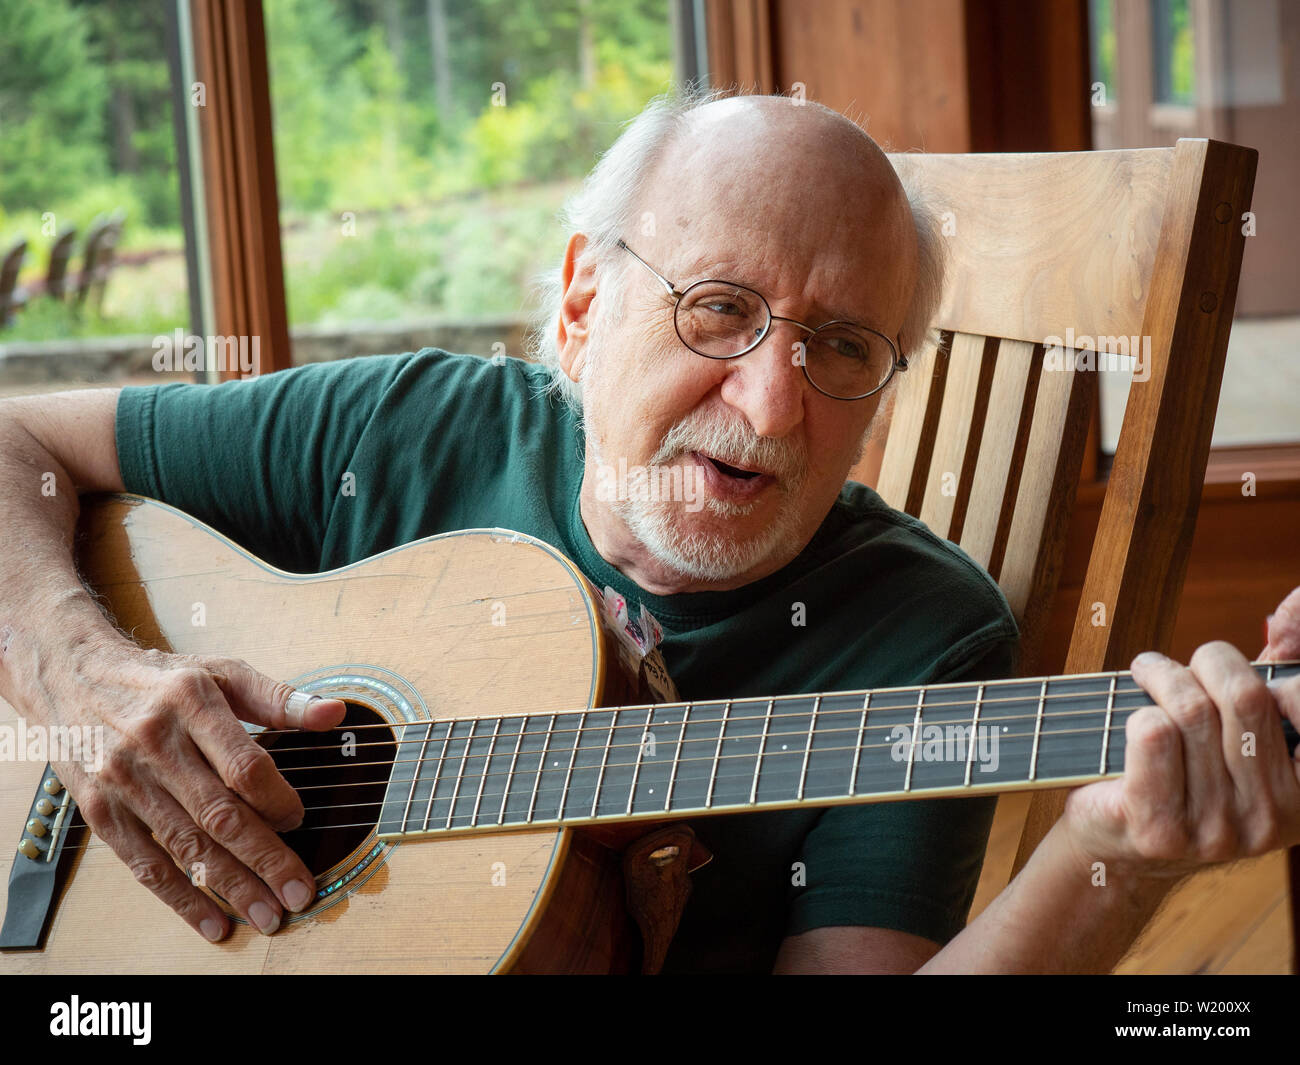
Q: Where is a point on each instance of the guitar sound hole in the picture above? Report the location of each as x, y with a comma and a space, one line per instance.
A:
341, 777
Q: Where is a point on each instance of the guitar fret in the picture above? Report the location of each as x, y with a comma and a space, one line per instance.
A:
487, 768
640, 753
1105, 732
510, 773
415, 773
857, 751
437, 775
541, 765
1038, 731
568, 773
604, 759
916, 736
677, 758
762, 750
974, 735
713, 776
807, 751
460, 773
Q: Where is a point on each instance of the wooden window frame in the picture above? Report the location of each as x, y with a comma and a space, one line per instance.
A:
239, 183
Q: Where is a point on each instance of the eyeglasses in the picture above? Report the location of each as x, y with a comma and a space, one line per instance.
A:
723, 320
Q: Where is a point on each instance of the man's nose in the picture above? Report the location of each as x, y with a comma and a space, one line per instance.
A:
767, 385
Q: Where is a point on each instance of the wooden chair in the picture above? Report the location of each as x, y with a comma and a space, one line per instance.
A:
56, 277
986, 442
11, 296
101, 243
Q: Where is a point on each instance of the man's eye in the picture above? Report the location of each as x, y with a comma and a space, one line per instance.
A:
848, 348
722, 307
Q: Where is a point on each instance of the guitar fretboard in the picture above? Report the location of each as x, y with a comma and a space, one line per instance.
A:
695, 758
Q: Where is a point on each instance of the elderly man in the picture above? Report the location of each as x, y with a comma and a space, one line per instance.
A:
744, 279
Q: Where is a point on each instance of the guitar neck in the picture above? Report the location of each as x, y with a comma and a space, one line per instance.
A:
690, 759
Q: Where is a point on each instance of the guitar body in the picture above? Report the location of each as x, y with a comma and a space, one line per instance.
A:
464, 625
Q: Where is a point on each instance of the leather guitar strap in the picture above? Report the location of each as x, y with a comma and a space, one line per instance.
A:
656, 872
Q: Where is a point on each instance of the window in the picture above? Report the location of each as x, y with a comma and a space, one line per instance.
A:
1172, 53
423, 148
1101, 22
1241, 97
92, 261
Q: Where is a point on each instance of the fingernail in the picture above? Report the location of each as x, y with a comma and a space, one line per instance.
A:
297, 895
211, 929
296, 705
288, 824
1150, 658
264, 917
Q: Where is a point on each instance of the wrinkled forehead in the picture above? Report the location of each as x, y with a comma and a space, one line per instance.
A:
771, 191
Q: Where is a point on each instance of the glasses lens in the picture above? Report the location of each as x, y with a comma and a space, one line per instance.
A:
720, 320
848, 361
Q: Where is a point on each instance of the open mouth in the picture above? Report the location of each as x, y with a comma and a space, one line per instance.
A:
732, 483
729, 470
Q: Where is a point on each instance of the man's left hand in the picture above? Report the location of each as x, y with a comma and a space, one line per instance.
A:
1207, 777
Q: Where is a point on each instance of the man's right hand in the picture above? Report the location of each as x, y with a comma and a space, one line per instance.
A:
180, 778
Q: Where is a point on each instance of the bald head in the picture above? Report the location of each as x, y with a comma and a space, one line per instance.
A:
769, 184
733, 186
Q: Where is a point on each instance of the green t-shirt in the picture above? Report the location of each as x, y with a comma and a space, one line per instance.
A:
436, 442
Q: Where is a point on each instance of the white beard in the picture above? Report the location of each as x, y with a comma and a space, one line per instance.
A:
701, 556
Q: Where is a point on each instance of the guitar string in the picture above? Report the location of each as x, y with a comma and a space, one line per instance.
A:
465, 755
644, 727
713, 739
566, 795
908, 711
965, 704
910, 705
788, 714
774, 772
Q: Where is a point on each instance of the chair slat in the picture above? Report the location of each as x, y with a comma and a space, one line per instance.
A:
1044, 497
1002, 452
957, 438
913, 424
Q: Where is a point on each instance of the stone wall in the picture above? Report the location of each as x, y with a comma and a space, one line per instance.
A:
115, 360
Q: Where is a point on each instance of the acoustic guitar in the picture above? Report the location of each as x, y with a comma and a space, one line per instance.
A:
501, 796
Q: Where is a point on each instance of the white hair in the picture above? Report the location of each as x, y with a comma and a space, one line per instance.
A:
604, 209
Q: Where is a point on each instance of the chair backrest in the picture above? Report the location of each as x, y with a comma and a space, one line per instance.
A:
9, 267
60, 253
101, 241
987, 437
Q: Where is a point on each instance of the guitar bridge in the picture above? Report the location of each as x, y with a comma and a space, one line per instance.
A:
33, 879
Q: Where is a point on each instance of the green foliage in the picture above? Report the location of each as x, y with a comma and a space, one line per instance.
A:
52, 99
46, 319
463, 257
371, 116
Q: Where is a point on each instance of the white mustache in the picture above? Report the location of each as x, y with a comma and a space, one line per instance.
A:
736, 444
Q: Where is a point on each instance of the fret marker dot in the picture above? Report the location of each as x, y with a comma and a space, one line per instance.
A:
783, 747
1004, 728
652, 791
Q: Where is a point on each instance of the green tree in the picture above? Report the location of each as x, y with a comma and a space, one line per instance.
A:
52, 100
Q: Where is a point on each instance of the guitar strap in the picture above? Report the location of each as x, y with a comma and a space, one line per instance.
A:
656, 872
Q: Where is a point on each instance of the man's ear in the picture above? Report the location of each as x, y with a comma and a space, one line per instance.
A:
574, 327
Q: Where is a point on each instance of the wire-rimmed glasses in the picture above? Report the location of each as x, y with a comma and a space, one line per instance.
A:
724, 320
